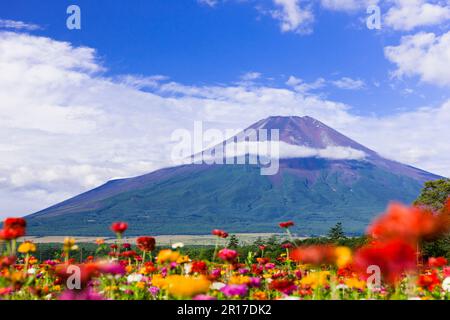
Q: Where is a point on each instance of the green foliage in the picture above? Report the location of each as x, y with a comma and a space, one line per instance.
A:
233, 243
336, 233
437, 248
434, 194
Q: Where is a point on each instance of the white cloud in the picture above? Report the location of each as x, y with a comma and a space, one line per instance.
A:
409, 14
293, 17
250, 76
345, 83
300, 85
346, 5
18, 25
65, 127
419, 137
331, 152
285, 151
210, 3
425, 55
349, 84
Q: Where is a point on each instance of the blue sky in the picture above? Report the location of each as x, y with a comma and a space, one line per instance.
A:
109, 95
196, 44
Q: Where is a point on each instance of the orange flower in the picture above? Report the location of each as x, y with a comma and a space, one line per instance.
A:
409, 223
314, 254
322, 254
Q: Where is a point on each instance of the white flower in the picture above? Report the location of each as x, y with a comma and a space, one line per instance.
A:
31, 271
134, 277
446, 284
341, 286
187, 268
290, 298
178, 245
217, 285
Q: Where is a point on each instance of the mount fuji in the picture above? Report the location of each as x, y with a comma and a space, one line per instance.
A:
323, 178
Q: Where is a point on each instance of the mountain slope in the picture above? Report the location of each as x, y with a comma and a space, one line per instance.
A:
193, 199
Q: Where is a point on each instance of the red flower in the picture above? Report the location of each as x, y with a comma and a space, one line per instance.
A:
394, 258
287, 245
283, 285
227, 255
199, 267
429, 281
13, 228
409, 223
129, 254
119, 227
7, 261
316, 255
262, 260
286, 224
437, 262
87, 271
146, 244
220, 233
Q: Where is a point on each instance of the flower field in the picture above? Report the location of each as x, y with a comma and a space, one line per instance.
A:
389, 266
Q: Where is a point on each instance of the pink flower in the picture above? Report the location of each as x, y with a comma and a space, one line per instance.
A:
227, 255
204, 297
85, 294
235, 290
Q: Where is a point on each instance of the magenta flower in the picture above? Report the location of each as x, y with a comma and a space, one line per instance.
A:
254, 282
85, 294
153, 290
204, 297
231, 290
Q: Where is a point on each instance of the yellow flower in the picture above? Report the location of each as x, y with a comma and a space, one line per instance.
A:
186, 287
183, 259
69, 244
56, 288
315, 279
140, 285
111, 288
99, 241
159, 281
168, 255
355, 283
27, 247
239, 280
343, 256
143, 271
